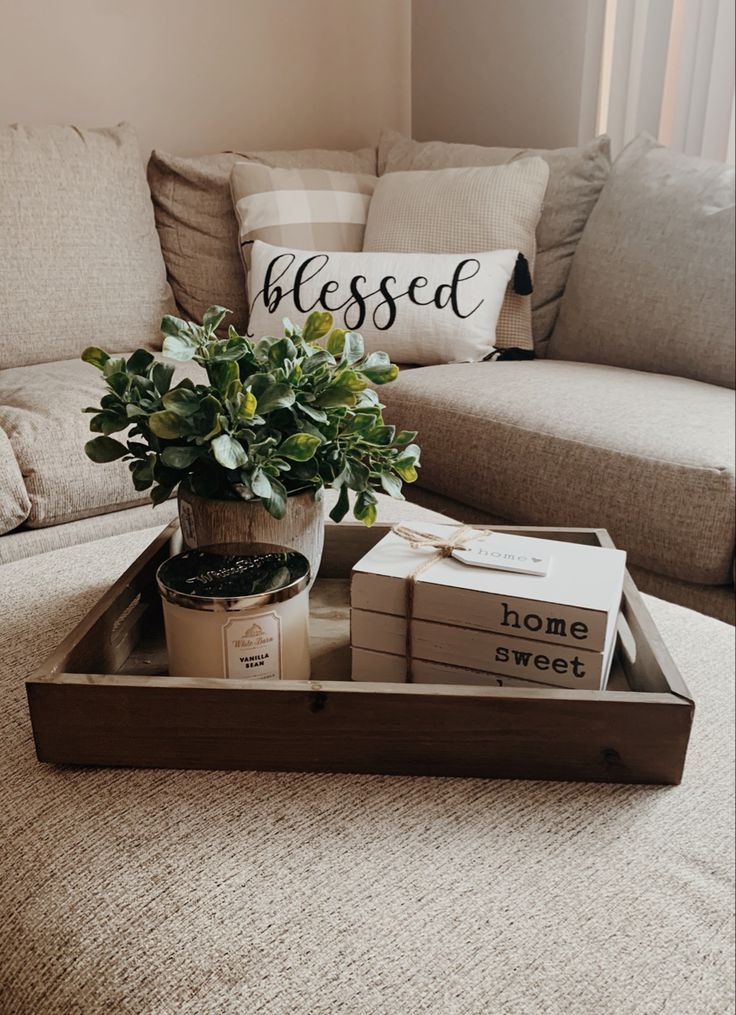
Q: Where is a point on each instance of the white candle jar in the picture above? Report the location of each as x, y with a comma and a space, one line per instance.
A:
237, 610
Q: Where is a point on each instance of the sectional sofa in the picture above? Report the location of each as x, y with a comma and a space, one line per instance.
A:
625, 420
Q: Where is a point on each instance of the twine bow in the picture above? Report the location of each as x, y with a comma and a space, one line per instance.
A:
443, 547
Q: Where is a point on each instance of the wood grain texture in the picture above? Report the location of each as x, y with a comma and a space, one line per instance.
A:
84, 715
205, 521
397, 729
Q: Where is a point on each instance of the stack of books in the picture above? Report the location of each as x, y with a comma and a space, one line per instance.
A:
505, 610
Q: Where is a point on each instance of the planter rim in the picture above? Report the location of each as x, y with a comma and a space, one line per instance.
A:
315, 494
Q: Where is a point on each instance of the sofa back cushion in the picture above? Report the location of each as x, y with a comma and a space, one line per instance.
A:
576, 178
652, 284
80, 261
473, 210
197, 224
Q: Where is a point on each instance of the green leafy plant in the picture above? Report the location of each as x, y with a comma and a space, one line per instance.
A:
276, 417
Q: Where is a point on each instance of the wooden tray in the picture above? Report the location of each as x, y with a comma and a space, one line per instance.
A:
104, 698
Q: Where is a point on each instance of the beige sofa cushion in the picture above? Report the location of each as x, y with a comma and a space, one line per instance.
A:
649, 457
14, 503
41, 413
80, 260
652, 284
197, 225
473, 210
576, 178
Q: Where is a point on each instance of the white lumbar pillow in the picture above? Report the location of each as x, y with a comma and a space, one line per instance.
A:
421, 309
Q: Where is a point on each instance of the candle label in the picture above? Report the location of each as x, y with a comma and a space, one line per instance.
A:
251, 647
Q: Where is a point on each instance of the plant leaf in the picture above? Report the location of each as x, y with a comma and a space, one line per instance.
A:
354, 347
171, 325
180, 456
365, 509
223, 372
179, 347
108, 422
316, 325
97, 357
411, 454
248, 406
379, 369
142, 474
113, 366
229, 452
299, 447
406, 464
276, 396
182, 401
342, 505
281, 350
355, 475
392, 485
168, 424
380, 436
161, 376
336, 342
139, 362
260, 483
360, 423
309, 410
275, 504
160, 493
214, 316
104, 449
119, 382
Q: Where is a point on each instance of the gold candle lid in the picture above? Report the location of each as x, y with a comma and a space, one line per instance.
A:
233, 576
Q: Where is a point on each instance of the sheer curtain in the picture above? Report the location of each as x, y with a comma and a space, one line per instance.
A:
666, 66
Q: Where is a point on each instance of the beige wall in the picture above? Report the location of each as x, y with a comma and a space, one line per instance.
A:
203, 75
501, 72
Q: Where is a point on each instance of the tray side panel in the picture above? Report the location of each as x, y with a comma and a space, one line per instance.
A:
378, 732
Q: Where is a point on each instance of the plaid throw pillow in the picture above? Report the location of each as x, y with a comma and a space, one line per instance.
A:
304, 209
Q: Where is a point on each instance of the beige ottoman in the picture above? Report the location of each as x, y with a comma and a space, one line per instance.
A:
173, 892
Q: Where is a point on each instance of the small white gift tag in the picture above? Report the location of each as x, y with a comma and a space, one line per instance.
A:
500, 552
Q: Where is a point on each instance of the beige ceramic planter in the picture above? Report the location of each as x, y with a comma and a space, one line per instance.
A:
204, 521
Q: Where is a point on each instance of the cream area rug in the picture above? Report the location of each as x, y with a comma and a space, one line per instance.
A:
190, 893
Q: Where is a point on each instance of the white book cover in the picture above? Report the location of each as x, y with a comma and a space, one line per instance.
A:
583, 582
482, 651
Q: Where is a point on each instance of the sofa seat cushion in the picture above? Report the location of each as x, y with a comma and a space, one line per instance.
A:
648, 457
41, 413
14, 503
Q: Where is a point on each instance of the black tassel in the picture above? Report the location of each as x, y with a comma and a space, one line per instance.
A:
522, 277
511, 354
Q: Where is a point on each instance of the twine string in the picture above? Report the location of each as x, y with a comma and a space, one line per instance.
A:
443, 547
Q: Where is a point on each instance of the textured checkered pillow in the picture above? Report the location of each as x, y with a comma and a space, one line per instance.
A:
304, 209
451, 211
